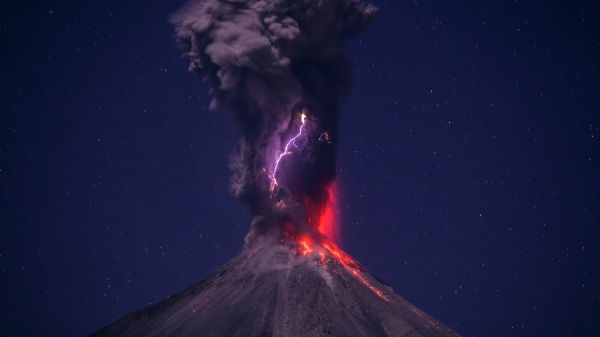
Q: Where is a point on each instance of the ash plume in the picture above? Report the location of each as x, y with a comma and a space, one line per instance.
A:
278, 65
269, 60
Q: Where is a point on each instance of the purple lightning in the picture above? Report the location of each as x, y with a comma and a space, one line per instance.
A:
286, 150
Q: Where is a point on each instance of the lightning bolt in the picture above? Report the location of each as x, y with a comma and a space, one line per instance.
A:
286, 150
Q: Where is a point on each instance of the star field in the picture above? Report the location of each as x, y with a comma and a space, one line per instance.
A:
468, 164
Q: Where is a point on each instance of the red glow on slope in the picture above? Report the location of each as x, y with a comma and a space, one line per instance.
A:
353, 268
306, 246
364, 281
328, 251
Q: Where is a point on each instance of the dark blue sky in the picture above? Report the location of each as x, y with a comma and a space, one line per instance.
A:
468, 164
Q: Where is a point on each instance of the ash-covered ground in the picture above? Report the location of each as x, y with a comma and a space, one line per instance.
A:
282, 290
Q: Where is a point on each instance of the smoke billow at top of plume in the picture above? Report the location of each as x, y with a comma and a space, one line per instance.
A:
268, 60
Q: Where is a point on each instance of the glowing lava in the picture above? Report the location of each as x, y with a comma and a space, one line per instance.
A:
327, 251
324, 217
307, 246
329, 216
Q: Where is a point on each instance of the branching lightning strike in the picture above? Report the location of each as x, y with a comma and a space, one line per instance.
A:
286, 150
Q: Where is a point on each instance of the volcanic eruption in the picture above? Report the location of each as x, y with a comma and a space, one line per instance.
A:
279, 66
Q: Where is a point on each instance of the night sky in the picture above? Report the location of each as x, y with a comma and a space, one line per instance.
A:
468, 167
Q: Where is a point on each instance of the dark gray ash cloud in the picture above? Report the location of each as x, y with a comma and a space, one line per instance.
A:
267, 60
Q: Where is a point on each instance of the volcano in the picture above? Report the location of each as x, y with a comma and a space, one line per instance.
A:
279, 66
298, 290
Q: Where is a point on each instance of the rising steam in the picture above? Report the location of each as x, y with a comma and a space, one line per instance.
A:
272, 62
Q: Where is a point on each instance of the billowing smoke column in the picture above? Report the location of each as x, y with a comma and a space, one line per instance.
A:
279, 65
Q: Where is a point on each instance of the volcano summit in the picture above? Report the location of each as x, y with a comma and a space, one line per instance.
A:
281, 290
278, 64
